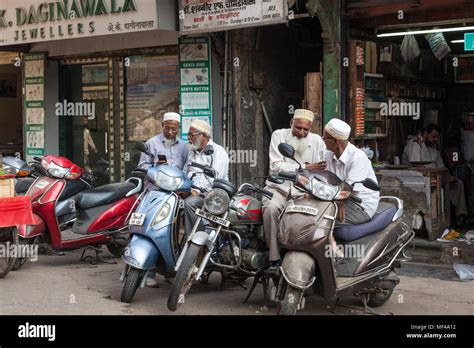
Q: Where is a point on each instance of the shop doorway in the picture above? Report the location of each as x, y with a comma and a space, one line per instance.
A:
85, 131
11, 134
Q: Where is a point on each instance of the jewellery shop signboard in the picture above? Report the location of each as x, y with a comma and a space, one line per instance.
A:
29, 21
201, 16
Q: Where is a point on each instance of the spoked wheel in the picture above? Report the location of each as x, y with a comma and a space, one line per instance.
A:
23, 243
8, 238
185, 276
289, 303
132, 281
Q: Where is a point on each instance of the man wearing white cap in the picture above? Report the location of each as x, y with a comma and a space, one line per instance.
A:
309, 149
167, 143
350, 164
199, 136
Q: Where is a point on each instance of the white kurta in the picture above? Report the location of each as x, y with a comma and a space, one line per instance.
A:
219, 161
353, 165
278, 163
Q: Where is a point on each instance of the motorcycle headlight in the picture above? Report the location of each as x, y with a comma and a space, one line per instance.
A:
161, 215
57, 171
217, 201
9, 169
166, 182
323, 191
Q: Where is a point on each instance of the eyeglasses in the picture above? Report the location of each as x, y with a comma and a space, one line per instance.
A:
328, 138
168, 129
192, 135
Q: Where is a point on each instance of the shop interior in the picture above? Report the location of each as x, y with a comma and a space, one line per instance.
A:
400, 84
11, 120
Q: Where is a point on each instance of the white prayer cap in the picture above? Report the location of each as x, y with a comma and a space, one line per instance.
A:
303, 114
171, 116
201, 126
338, 129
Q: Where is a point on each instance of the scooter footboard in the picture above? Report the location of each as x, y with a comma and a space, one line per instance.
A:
141, 253
298, 269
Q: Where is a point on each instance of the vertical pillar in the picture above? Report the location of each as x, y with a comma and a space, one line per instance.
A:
329, 14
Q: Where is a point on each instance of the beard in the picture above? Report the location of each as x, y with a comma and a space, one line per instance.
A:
299, 144
194, 146
169, 142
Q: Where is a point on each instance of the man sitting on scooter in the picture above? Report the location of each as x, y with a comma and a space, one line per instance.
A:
168, 144
309, 149
199, 136
350, 164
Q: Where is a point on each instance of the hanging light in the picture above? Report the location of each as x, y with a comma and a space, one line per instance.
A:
427, 31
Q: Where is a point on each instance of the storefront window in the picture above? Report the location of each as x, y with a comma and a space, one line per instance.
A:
152, 84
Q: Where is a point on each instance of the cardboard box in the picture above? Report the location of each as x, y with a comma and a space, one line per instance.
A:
7, 188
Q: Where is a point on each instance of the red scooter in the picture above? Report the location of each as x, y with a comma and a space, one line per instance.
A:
101, 214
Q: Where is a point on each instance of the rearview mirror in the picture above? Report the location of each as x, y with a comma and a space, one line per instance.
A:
141, 146
286, 150
208, 150
371, 184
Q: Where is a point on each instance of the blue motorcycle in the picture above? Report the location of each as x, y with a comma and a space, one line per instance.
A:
154, 226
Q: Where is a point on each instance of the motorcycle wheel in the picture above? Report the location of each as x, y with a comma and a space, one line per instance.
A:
20, 261
184, 277
7, 235
289, 304
131, 285
382, 293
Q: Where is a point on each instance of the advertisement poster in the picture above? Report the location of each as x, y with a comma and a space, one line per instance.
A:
195, 81
199, 16
34, 104
152, 90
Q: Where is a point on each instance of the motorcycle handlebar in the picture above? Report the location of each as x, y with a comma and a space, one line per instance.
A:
268, 194
38, 159
287, 175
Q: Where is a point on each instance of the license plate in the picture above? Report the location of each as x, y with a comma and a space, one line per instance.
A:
137, 219
213, 218
293, 208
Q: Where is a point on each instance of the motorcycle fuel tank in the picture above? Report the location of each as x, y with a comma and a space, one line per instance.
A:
245, 210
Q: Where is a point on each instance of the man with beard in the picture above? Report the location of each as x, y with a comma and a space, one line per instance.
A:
167, 143
309, 149
199, 136
170, 145
422, 148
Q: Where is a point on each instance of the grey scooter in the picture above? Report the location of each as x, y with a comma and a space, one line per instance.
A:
310, 265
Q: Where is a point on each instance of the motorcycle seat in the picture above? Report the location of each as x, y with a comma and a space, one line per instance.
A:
381, 219
103, 195
72, 187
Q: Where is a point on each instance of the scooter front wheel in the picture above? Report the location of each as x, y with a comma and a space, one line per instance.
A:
289, 304
132, 281
185, 276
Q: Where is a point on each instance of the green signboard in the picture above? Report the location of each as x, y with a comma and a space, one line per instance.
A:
468, 41
195, 93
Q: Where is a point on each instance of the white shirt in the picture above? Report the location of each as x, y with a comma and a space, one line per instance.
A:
352, 166
416, 151
278, 163
219, 161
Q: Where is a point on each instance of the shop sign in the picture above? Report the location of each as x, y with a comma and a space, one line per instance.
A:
469, 42
27, 21
33, 90
195, 81
206, 16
